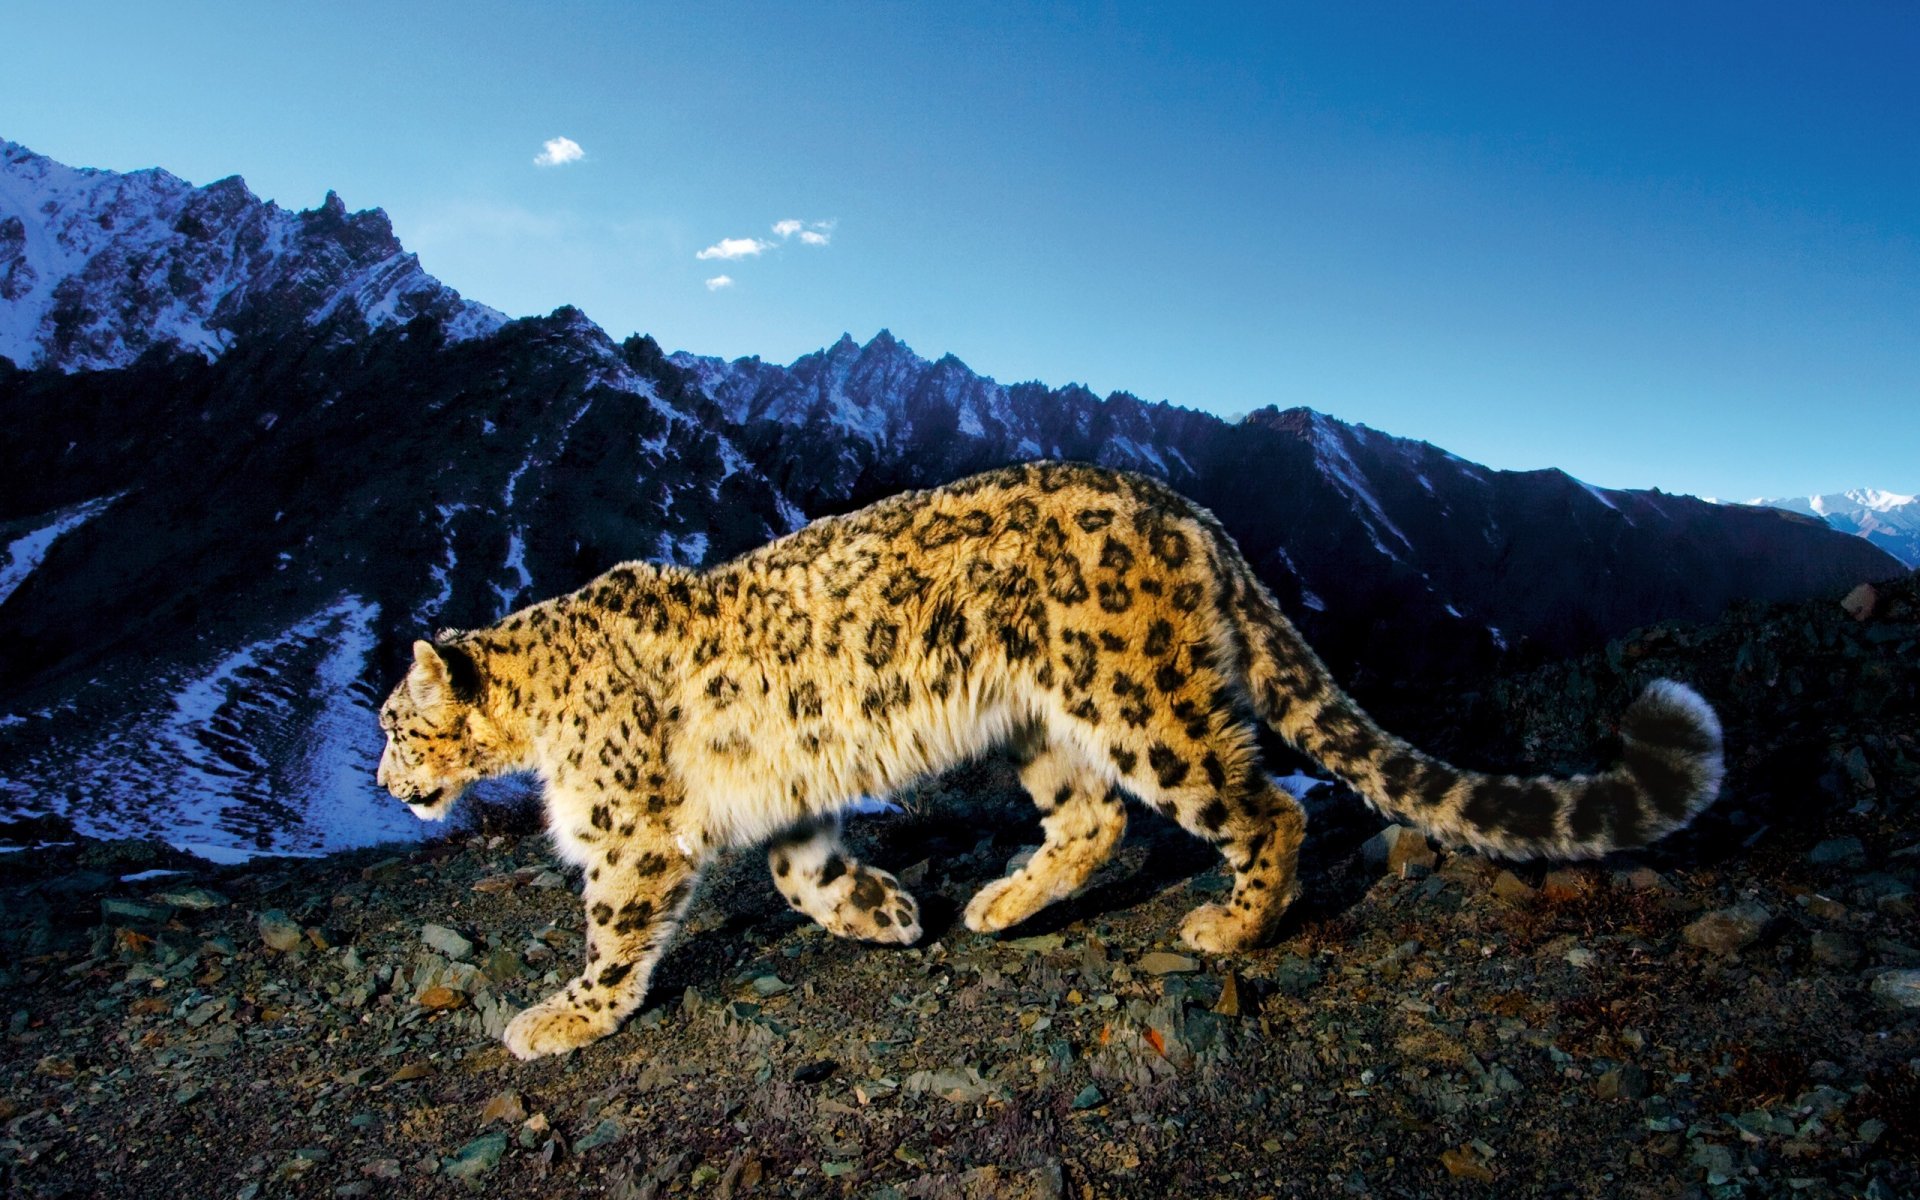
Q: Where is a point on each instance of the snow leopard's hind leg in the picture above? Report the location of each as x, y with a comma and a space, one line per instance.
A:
818, 877
1084, 819
1207, 777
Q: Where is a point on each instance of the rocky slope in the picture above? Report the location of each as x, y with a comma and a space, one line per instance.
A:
1736, 1012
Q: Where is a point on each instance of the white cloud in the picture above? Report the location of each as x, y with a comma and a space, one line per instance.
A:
558, 152
732, 248
811, 233
718, 282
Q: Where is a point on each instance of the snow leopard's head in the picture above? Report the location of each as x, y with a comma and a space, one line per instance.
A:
439, 737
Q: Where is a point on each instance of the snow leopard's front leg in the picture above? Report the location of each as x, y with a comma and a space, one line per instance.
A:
634, 906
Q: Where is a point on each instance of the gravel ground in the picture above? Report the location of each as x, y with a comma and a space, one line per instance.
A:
1736, 1012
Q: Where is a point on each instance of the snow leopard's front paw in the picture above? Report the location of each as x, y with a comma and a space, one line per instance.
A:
554, 1026
874, 907
1217, 929
1004, 903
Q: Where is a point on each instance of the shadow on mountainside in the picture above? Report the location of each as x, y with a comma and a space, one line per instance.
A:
1731, 1012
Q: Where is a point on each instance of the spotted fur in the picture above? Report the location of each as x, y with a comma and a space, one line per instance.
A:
1103, 625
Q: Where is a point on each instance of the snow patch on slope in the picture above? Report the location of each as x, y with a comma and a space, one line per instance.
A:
27, 552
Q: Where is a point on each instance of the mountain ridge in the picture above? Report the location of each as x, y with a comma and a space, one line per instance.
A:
218, 552
116, 264
1888, 520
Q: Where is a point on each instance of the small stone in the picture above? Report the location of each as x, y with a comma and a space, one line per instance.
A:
410, 1072
770, 985
504, 1106
1838, 852
1898, 989
1513, 889
1038, 943
605, 1133
1463, 1163
438, 997
496, 883
114, 909
1624, 1082
1832, 948
446, 941
1296, 976
1861, 601
501, 966
548, 879
1565, 884
815, 1072
280, 932
534, 1130
475, 1159
1729, 930
1160, 962
1825, 907
1401, 850
194, 899
386, 868
381, 1168
1231, 1003
1089, 1097
1640, 879
1855, 762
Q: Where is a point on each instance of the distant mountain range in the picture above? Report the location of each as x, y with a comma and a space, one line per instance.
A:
252, 453
1889, 521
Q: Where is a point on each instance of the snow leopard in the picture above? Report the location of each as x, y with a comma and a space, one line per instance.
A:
1097, 624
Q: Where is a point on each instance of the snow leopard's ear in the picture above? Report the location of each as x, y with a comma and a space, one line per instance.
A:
428, 682
441, 673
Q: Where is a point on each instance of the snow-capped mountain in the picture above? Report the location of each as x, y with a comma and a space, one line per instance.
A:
1887, 519
212, 561
97, 267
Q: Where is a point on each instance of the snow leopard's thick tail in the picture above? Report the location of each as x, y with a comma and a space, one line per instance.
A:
1671, 760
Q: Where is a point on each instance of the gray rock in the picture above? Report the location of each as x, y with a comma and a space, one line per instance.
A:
1835, 949
605, 1133
1162, 963
1898, 989
194, 899
770, 985
1729, 930
117, 910
446, 941
1839, 852
1855, 762
1402, 850
1625, 1082
475, 1159
280, 931
1296, 976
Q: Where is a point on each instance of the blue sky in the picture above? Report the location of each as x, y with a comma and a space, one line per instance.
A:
1654, 244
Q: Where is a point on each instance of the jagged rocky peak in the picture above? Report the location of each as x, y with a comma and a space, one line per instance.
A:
99, 267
